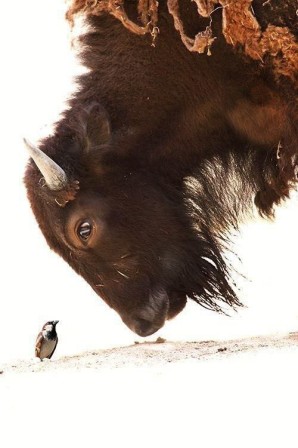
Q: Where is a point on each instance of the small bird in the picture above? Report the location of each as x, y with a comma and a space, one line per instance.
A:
47, 340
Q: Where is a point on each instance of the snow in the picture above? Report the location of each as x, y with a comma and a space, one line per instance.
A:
247, 398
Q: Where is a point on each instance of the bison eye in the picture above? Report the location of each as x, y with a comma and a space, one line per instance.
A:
84, 230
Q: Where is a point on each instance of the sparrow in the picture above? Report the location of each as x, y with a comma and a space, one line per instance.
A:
47, 340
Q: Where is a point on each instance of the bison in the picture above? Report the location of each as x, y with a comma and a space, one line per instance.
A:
174, 134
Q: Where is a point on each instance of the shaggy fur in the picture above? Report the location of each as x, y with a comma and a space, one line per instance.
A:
166, 151
263, 29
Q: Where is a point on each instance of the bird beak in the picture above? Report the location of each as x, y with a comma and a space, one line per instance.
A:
55, 322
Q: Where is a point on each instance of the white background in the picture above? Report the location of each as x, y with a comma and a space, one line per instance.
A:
36, 285
246, 400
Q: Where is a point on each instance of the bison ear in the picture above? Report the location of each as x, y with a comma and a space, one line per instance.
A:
97, 126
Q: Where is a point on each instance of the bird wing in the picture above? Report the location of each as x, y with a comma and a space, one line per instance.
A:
53, 348
38, 345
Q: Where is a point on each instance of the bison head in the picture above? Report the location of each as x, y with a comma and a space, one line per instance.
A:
122, 226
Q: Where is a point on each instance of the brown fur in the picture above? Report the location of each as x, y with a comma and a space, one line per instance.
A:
240, 26
170, 147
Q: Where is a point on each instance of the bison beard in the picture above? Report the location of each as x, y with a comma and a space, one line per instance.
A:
164, 151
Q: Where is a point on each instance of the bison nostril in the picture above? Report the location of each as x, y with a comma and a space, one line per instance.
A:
150, 317
144, 327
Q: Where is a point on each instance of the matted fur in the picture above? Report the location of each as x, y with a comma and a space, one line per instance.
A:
240, 25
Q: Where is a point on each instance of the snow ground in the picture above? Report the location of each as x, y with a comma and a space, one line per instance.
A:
236, 394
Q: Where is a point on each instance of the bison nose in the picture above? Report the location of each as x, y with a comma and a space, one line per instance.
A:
151, 316
144, 327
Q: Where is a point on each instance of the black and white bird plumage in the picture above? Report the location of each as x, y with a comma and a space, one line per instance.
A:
46, 341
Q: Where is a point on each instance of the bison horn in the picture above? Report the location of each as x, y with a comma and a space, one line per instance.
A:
55, 177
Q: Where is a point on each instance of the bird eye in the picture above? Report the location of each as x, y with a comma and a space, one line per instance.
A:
84, 230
